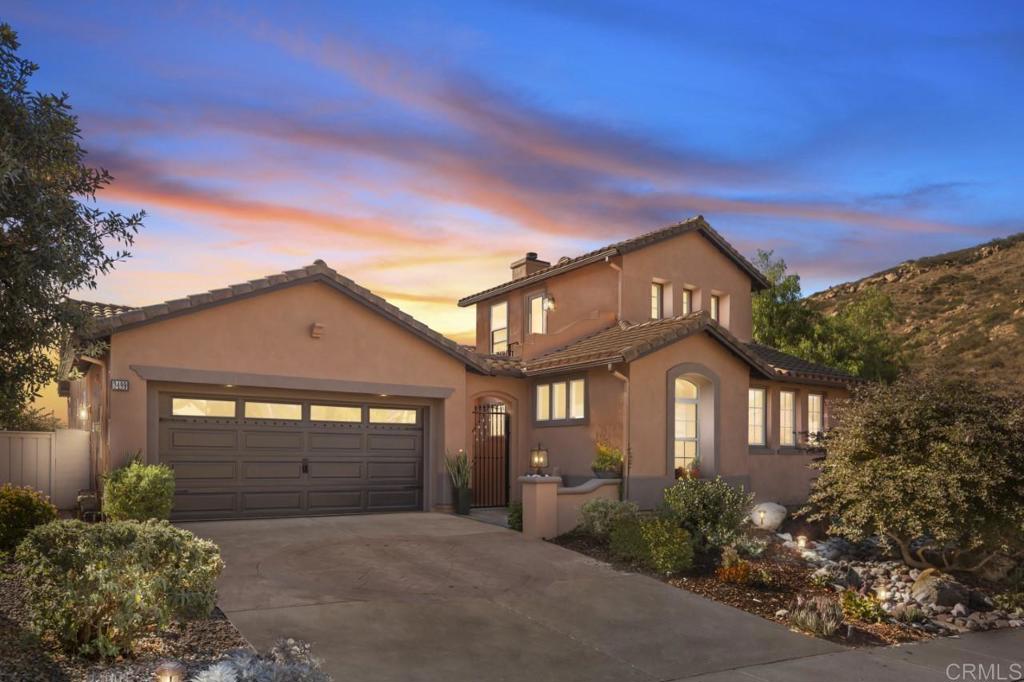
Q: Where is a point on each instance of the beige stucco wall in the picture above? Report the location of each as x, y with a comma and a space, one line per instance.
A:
586, 300
269, 334
687, 261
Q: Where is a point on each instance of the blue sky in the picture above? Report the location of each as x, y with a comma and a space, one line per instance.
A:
419, 148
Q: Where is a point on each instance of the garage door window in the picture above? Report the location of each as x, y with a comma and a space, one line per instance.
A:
390, 415
336, 413
289, 411
202, 407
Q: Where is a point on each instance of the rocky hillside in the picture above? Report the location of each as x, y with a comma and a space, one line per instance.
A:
961, 312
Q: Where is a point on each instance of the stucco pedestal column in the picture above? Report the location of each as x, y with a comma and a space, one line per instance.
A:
540, 505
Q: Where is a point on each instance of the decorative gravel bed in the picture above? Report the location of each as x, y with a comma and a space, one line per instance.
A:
790, 575
24, 656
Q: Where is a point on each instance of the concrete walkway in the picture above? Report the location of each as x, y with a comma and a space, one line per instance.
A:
436, 597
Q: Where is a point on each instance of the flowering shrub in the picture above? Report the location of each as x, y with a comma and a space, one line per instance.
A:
138, 492
21, 510
96, 588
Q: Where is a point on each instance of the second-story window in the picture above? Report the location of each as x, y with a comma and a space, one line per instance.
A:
538, 314
686, 305
499, 328
716, 302
657, 300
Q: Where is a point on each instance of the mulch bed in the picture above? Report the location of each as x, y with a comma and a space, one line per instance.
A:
790, 576
25, 656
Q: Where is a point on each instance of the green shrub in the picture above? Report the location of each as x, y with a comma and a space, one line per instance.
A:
138, 492
599, 516
910, 614
711, 510
1010, 601
21, 510
926, 458
821, 616
653, 542
96, 588
750, 547
607, 457
515, 516
862, 608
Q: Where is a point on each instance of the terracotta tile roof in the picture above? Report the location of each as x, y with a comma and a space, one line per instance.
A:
626, 342
319, 271
102, 310
696, 223
502, 365
791, 367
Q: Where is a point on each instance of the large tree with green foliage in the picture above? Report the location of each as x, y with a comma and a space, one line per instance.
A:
933, 465
855, 339
52, 241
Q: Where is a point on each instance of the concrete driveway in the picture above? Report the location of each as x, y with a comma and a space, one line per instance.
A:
436, 597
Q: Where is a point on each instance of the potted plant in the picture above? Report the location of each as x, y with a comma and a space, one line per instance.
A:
461, 474
608, 461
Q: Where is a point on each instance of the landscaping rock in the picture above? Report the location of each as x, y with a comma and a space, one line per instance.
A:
959, 610
931, 587
774, 515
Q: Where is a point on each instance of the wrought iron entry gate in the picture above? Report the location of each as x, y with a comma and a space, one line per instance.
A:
490, 455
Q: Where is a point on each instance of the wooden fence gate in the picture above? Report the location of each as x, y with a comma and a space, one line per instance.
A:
490, 455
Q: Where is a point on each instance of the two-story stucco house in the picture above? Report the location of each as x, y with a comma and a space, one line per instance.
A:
304, 393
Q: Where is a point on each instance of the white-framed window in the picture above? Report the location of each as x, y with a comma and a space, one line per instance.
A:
538, 314
686, 305
392, 415
202, 407
716, 304
815, 415
685, 442
499, 328
561, 401
657, 300
756, 434
336, 413
787, 418
266, 410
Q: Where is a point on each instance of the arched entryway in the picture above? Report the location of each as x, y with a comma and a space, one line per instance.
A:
692, 419
491, 443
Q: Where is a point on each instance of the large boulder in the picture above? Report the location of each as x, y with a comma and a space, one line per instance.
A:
774, 515
932, 587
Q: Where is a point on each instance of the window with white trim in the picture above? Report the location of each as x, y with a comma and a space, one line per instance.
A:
756, 434
538, 314
716, 304
686, 445
686, 305
563, 401
815, 416
499, 328
657, 300
787, 418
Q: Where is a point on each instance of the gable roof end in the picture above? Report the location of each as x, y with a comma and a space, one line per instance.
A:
319, 271
695, 224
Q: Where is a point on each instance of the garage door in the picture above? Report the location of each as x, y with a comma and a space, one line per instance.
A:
253, 457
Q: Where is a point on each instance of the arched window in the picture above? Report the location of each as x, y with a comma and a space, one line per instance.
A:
686, 443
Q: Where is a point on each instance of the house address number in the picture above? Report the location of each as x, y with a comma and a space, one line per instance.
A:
118, 384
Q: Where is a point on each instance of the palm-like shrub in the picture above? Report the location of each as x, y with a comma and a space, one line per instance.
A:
933, 465
711, 510
21, 510
96, 588
138, 492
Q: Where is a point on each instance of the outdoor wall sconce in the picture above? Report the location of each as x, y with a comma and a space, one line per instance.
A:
83, 413
549, 303
170, 671
801, 541
538, 459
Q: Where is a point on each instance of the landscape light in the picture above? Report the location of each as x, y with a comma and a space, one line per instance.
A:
801, 541
760, 518
170, 671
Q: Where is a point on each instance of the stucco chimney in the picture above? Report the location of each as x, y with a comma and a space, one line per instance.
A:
524, 267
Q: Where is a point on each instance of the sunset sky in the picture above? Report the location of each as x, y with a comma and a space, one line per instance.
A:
419, 148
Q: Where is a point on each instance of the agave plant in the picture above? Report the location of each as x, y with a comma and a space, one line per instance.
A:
821, 615
459, 469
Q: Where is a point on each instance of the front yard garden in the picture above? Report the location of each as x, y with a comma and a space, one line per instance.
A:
914, 529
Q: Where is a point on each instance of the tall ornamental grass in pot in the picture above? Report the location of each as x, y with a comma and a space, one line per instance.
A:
460, 471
